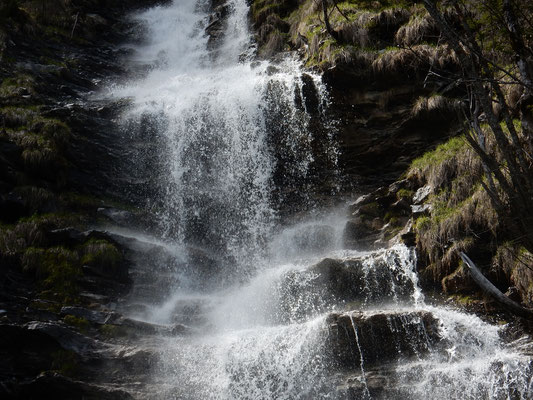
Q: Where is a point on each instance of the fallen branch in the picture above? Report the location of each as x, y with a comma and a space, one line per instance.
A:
493, 291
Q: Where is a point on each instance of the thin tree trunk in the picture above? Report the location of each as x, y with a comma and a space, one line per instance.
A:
330, 30
493, 291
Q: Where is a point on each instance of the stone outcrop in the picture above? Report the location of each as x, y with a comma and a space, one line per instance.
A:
364, 340
378, 91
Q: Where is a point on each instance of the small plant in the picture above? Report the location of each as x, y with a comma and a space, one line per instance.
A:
56, 270
81, 324
101, 254
405, 194
112, 331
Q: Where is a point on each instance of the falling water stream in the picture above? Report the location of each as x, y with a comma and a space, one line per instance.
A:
262, 296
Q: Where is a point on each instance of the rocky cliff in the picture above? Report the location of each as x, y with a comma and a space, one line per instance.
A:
63, 171
388, 70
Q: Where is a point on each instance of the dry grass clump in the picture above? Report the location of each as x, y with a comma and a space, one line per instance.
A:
445, 58
273, 23
304, 20
273, 45
41, 139
31, 232
415, 60
420, 28
10, 243
35, 198
56, 269
512, 95
262, 9
100, 253
397, 61
429, 106
461, 210
369, 28
14, 240
14, 117
356, 31
57, 12
52, 129
38, 152
12, 89
452, 228
449, 160
517, 263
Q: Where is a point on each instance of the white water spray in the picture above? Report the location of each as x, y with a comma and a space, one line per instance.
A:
264, 333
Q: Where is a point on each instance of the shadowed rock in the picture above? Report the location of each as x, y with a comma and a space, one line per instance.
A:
359, 340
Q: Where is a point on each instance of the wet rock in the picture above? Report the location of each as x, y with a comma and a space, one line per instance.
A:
408, 235
361, 233
419, 210
25, 352
119, 217
66, 337
95, 21
352, 280
217, 24
136, 328
400, 207
98, 317
66, 236
372, 339
204, 264
337, 282
421, 194
137, 361
310, 95
52, 385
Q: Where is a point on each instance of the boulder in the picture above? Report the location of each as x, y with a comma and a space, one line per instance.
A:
119, 217
334, 282
52, 385
360, 340
66, 337
25, 352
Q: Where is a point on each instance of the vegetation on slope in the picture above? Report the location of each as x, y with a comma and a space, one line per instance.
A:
38, 207
476, 57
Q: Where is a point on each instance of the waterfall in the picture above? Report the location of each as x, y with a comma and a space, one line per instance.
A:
211, 110
268, 301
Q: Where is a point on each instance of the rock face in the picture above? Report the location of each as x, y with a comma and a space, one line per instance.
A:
60, 282
366, 340
384, 111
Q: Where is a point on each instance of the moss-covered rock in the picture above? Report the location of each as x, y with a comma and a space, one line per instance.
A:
57, 271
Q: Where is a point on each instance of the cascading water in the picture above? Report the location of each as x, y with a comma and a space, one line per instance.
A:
269, 314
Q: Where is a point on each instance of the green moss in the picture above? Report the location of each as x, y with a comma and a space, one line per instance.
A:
13, 86
57, 271
442, 153
463, 300
422, 223
101, 254
405, 194
390, 233
113, 331
81, 324
46, 305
